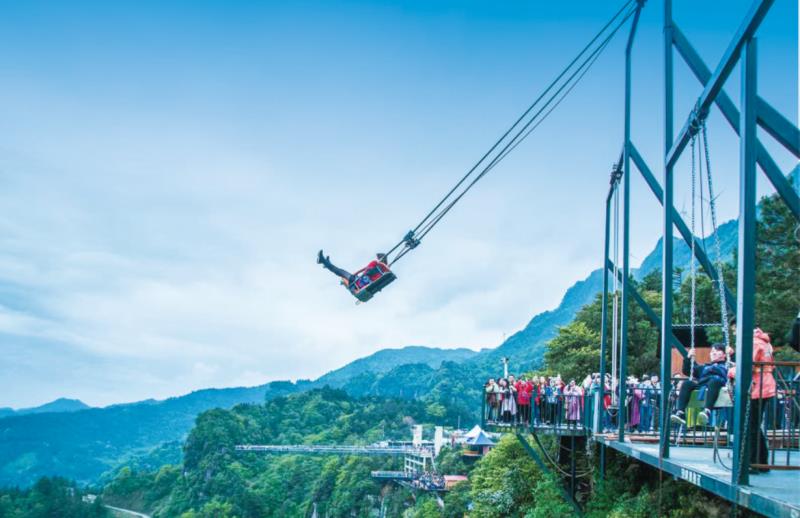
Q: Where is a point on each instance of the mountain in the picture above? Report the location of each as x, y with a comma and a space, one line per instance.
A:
525, 349
66, 439
728, 235
387, 359
85, 444
58, 405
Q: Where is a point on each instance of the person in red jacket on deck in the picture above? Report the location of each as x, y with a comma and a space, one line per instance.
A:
524, 391
371, 272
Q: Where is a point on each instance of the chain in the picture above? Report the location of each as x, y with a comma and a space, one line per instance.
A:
615, 309
723, 307
743, 438
692, 264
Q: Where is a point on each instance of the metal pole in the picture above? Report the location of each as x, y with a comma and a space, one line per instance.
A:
572, 466
602, 461
666, 265
746, 268
626, 211
604, 314
483, 407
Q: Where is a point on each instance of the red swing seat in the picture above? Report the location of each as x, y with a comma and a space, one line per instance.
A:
365, 287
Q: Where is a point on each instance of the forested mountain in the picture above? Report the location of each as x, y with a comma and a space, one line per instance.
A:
59, 405
50, 497
215, 480
85, 444
387, 359
526, 347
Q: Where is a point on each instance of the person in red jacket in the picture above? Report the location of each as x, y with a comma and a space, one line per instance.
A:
524, 390
371, 272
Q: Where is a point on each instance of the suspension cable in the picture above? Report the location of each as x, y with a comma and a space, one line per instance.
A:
524, 131
524, 114
411, 240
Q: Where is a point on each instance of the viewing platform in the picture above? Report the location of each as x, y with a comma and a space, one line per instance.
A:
776, 493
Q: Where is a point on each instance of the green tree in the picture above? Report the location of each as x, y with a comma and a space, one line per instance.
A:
502, 483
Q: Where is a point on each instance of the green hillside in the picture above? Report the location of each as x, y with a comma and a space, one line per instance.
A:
217, 481
85, 444
387, 359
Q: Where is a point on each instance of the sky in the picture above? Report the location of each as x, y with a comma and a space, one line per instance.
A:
168, 171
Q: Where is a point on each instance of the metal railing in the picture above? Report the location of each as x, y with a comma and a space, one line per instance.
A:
772, 431
547, 409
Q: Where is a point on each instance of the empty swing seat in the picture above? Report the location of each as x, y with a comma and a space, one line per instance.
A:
364, 289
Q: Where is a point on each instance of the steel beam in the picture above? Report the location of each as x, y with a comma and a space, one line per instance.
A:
668, 210
604, 309
546, 469
746, 267
651, 314
626, 224
731, 114
677, 220
778, 126
714, 85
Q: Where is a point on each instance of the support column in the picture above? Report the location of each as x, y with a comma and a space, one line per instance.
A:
626, 212
603, 322
666, 235
745, 311
572, 485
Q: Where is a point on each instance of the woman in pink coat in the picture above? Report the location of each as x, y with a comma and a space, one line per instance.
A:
762, 392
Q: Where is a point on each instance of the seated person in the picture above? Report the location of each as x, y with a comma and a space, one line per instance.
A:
371, 272
713, 376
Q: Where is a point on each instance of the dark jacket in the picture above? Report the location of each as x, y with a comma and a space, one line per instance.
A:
705, 372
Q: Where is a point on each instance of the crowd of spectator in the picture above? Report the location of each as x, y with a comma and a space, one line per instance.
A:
552, 401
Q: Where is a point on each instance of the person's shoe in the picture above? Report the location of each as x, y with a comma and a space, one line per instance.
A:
320, 258
678, 417
703, 417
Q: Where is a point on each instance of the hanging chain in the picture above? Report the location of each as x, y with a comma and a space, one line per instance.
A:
745, 429
693, 264
712, 205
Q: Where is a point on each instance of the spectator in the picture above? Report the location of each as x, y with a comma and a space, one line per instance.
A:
646, 404
524, 389
508, 404
573, 396
762, 394
492, 392
537, 397
633, 400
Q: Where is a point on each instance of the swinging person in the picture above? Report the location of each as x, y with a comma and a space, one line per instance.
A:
371, 272
713, 376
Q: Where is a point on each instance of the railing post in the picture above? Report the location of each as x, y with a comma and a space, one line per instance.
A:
746, 268
484, 403
666, 260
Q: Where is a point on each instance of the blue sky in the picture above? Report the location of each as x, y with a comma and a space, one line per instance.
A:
169, 170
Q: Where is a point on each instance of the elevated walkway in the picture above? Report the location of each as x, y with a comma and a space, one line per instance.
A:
393, 475
302, 449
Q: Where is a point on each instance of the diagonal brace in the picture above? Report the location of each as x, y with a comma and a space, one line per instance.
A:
641, 165
731, 114
539, 462
652, 315
714, 85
